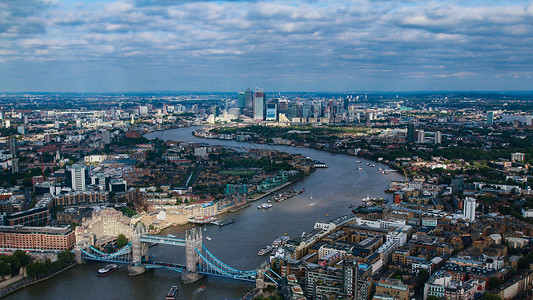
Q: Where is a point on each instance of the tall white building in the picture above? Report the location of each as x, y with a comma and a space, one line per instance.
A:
469, 210
259, 105
77, 173
421, 136
438, 137
529, 120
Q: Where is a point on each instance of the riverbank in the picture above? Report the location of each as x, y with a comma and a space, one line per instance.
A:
208, 135
30, 281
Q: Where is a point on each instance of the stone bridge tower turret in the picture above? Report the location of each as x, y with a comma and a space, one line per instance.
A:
193, 241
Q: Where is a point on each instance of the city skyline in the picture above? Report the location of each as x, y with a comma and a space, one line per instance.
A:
129, 46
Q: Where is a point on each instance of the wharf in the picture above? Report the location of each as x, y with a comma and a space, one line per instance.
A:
223, 222
237, 208
204, 220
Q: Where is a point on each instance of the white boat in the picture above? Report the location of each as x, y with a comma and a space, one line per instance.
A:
207, 238
107, 269
171, 235
265, 250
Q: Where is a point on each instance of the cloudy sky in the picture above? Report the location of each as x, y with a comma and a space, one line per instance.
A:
306, 45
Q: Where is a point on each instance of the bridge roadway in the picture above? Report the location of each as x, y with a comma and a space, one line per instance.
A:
162, 240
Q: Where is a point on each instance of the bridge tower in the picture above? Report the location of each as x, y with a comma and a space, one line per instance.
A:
193, 241
138, 251
260, 277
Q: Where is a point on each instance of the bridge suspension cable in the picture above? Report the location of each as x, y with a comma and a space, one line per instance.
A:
225, 266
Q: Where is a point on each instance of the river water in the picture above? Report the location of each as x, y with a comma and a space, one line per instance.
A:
328, 193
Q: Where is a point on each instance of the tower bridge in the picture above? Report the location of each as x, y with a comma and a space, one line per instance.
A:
199, 261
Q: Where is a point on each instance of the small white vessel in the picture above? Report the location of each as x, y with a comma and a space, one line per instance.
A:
207, 238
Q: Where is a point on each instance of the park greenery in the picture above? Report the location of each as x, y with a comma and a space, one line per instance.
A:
36, 269
11, 264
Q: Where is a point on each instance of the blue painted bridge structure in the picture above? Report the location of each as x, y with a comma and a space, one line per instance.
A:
199, 260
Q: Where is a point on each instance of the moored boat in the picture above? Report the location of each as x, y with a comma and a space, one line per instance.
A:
265, 250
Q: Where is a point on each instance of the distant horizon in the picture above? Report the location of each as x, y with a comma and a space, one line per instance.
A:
92, 46
523, 92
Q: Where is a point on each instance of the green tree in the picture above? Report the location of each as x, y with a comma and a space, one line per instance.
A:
35, 269
66, 257
14, 262
523, 263
128, 212
423, 276
494, 282
489, 296
121, 241
22, 256
5, 268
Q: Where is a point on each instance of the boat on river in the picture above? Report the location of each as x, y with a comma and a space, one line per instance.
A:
287, 195
108, 269
171, 295
264, 206
265, 250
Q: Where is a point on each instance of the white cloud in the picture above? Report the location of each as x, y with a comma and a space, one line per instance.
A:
430, 39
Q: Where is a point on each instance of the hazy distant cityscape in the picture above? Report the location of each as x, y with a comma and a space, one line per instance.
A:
252, 149
92, 179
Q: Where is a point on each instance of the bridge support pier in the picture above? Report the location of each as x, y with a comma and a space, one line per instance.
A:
77, 255
138, 251
193, 241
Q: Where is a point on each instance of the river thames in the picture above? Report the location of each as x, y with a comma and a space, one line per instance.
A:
328, 194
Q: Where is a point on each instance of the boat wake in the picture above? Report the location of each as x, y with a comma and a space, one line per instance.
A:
199, 290
312, 204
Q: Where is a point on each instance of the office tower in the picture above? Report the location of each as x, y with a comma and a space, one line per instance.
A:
421, 136
77, 173
293, 110
346, 103
26, 119
529, 120
21, 130
283, 106
240, 100
143, 109
271, 112
78, 123
248, 103
306, 110
226, 104
8, 123
259, 105
57, 125
469, 210
438, 137
14, 165
349, 277
317, 110
518, 156
411, 133
47, 138
12, 145
490, 118
106, 137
